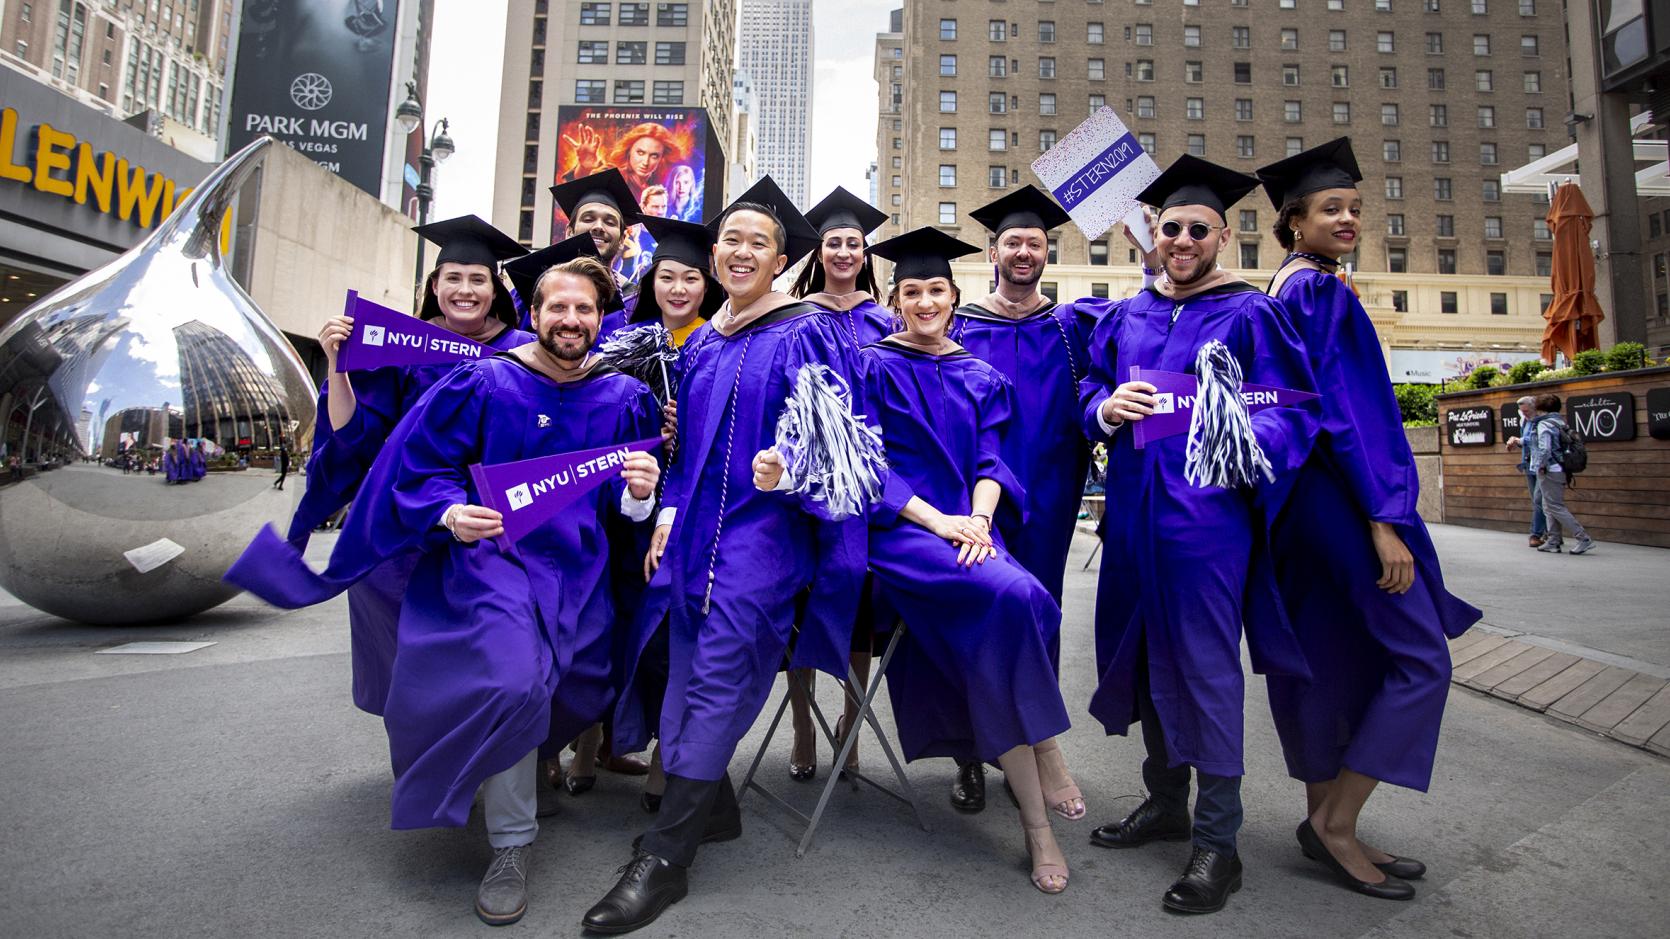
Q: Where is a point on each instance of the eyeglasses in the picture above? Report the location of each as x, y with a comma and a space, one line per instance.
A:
1197, 230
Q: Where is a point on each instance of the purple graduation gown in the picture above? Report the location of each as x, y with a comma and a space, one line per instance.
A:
1380, 664
197, 466
865, 323
175, 465
1183, 567
1044, 357
758, 550
500, 650
339, 462
973, 677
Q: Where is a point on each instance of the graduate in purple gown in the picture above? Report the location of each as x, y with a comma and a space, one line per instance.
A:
176, 464
1356, 566
197, 462
603, 206
1186, 561
840, 280
502, 649
1039, 345
357, 412
732, 560
972, 678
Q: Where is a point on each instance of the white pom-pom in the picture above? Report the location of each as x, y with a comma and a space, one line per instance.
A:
830, 453
1222, 450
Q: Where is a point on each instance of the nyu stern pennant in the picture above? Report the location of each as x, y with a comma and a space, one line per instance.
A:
1176, 403
383, 336
530, 492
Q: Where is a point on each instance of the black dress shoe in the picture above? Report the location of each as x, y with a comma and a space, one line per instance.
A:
1148, 822
1206, 883
647, 885
968, 793
1390, 888
1403, 868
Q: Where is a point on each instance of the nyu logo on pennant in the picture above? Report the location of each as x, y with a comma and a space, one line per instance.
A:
373, 336
1165, 402
519, 497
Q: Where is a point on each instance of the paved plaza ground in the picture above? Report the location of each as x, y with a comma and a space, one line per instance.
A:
234, 791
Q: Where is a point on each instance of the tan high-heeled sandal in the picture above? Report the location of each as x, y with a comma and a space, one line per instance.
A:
1040, 872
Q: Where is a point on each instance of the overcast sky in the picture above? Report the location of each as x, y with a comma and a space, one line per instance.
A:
468, 50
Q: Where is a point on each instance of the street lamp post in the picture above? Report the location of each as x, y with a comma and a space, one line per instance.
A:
410, 118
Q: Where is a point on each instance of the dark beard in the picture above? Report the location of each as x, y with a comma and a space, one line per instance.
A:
1008, 274
548, 342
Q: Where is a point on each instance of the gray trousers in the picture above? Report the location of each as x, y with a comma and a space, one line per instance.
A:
509, 801
1552, 485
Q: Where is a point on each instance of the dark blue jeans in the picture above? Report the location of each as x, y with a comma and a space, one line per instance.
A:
1539, 523
1217, 815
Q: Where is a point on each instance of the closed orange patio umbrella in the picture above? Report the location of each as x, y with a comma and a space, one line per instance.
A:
1574, 315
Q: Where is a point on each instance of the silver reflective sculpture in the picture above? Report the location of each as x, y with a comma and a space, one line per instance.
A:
156, 359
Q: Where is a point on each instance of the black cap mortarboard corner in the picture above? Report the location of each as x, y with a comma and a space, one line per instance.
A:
1026, 207
469, 240
802, 237
525, 271
922, 253
608, 187
1192, 181
1330, 166
842, 209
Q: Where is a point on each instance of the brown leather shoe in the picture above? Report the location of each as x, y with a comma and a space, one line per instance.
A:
1536, 541
625, 765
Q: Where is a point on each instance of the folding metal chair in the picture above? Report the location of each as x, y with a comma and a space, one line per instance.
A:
866, 714
1094, 506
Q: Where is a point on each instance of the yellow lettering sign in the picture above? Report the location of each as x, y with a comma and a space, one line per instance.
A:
136, 189
8, 146
52, 153
95, 174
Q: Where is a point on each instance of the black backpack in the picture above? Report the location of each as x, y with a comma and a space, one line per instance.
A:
1571, 453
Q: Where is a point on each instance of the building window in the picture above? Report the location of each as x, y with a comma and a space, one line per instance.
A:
1294, 146
1435, 79
1442, 190
1391, 151
631, 53
1438, 115
1498, 304
672, 14
1193, 73
1145, 70
1480, 7
1046, 140
590, 90
1492, 190
1446, 298
948, 29
1495, 264
1290, 75
1487, 116
1487, 154
1434, 43
629, 91
1093, 33
1249, 221
1481, 44
1388, 115
1291, 112
1440, 151
947, 174
1394, 187
1241, 37
1385, 41
1444, 226
1342, 112
1539, 229
948, 138
998, 30
595, 14
1289, 39
593, 52
997, 66
1144, 33
1244, 147
1243, 73
997, 139
1446, 260
948, 213
1545, 266
1483, 80
947, 66
1197, 145
1397, 261
1099, 291
1046, 30
1249, 255
1098, 102
1528, 46
1336, 6
1147, 143
1493, 226
1243, 109
997, 177
1145, 106
1336, 40
1096, 69
634, 14
1046, 67
947, 102
1099, 252
997, 103
669, 53
1195, 109
1191, 37
669, 92
1533, 83
1394, 225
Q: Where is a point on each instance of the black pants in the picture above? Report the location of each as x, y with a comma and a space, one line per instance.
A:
689, 810
1217, 814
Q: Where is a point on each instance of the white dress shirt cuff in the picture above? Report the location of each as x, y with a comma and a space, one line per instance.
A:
666, 517
635, 508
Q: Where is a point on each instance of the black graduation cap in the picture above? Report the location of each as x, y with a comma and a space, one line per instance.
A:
1192, 181
802, 236
525, 271
1330, 166
608, 187
1026, 207
469, 240
842, 209
686, 243
922, 253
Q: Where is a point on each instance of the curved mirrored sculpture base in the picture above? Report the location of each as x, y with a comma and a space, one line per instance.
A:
90, 543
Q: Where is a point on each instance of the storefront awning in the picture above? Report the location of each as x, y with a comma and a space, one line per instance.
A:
1541, 175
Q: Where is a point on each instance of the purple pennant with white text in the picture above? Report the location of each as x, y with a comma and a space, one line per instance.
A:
1175, 394
529, 492
383, 336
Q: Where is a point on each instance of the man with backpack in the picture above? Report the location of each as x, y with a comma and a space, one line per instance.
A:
1557, 454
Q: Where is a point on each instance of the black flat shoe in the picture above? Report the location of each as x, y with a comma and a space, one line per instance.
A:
1147, 822
579, 785
1206, 883
803, 773
1403, 868
647, 886
650, 802
968, 793
1389, 889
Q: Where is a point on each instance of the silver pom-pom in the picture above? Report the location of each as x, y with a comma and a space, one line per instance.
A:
644, 352
1222, 449
829, 453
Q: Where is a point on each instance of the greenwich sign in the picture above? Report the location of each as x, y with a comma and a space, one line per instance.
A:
56, 162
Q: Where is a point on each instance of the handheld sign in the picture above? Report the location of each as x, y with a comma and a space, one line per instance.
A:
529, 492
1175, 392
1096, 173
383, 336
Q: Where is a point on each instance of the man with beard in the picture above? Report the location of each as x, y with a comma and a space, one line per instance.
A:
1185, 560
603, 206
504, 650
1039, 345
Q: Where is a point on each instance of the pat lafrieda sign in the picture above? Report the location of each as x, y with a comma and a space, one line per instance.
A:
1607, 416
1470, 427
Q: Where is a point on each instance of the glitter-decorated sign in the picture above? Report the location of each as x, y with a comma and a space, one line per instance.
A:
1096, 173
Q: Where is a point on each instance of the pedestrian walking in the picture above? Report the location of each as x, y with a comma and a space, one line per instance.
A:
1552, 442
1522, 443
